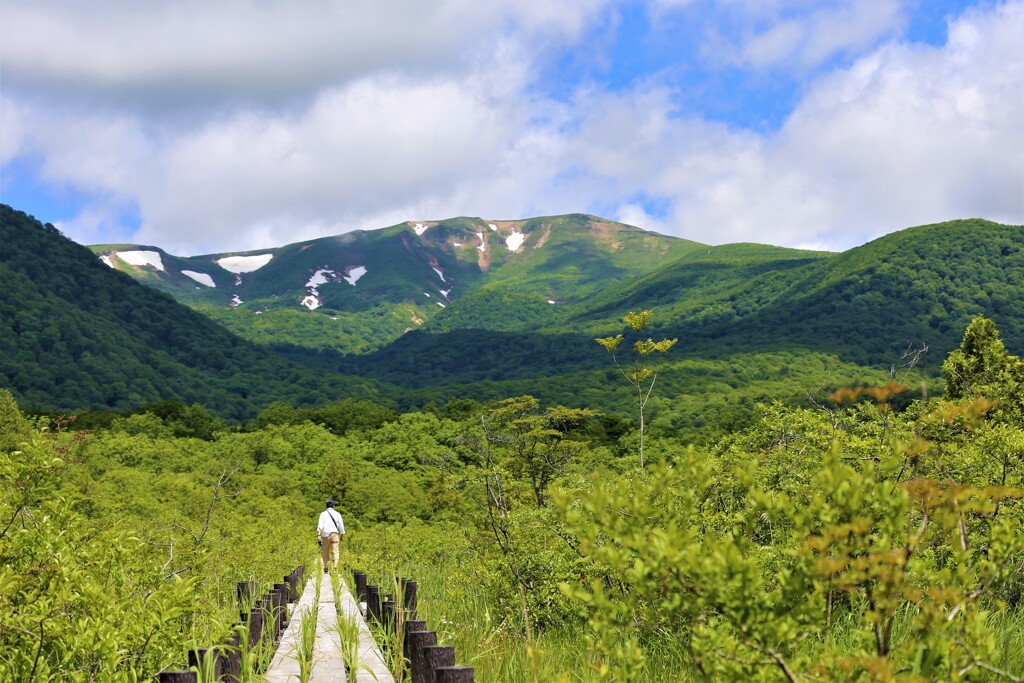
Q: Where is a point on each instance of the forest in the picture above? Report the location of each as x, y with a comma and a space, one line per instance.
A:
870, 532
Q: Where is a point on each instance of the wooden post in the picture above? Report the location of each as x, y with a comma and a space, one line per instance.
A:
436, 657
454, 674
359, 579
267, 634
282, 590
178, 677
246, 589
410, 626
255, 621
373, 603
289, 587
201, 656
417, 660
231, 660
388, 613
409, 596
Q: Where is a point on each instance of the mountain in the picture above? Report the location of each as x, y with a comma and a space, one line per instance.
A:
917, 287
469, 308
362, 290
75, 334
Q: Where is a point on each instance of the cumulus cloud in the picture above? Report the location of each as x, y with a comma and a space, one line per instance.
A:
196, 51
296, 141
784, 34
908, 134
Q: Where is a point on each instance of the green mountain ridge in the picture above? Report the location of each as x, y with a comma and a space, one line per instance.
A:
755, 322
76, 335
436, 274
917, 286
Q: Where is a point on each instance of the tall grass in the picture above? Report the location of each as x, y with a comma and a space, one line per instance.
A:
498, 649
307, 641
347, 629
503, 652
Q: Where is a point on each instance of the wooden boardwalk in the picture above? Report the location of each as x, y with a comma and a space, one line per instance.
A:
327, 662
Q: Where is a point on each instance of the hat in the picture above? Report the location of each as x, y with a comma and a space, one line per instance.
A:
330, 503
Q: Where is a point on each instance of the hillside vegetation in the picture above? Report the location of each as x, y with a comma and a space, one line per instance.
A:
843, 540
359, 291
76, 335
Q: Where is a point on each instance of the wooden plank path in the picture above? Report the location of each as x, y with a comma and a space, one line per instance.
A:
328, 666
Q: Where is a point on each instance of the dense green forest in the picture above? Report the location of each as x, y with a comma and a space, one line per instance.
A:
755, 323
859, 536
76, 335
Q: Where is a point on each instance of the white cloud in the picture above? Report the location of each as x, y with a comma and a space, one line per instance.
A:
12, 129
906, 134
788, 34
195, 50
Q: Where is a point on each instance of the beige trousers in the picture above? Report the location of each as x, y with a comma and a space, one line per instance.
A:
330, 550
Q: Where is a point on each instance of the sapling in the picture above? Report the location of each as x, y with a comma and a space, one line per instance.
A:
640, 373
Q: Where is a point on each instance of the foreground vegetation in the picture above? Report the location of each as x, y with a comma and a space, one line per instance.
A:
859, 538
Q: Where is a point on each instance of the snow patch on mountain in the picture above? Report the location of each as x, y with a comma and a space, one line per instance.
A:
457, 244
515, 240
106, 259
445, 292
201, 278
440, 304
551, 301
493, 227
483, 245
354, 274
236, 301
320, 277
244, 264
440, 274
142, 258
419, 229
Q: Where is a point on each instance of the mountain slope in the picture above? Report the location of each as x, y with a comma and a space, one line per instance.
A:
361, 290
917, 286
74, 334
755, 322
920, 286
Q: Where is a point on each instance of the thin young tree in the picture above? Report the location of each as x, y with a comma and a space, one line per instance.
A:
641, 372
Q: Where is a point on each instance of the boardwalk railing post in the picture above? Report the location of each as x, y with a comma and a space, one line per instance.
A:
246, 591
359, 578
410, 626
454, 674
267, 635
255, 622
206, 659
409, 596
282, 591
231, 660
178, 677
417, 660
373, 603
437, 656
289, 583
388, 612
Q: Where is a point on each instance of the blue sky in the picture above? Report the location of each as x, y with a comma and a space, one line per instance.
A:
203, 127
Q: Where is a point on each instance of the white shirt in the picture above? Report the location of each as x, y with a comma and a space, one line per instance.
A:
327, 519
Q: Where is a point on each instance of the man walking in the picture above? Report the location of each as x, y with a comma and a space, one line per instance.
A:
330, 531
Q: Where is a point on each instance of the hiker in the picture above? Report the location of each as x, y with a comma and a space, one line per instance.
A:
330, 531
